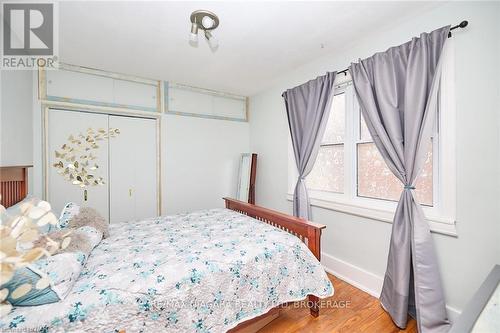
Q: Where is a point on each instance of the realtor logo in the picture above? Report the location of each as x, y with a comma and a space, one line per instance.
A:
28, 38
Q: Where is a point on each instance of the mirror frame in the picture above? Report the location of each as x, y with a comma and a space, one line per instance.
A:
253, 174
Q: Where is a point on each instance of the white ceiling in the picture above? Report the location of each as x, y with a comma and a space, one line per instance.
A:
259, 41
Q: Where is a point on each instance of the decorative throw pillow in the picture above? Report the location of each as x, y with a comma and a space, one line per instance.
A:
93, 235
62, 269
78, 241
34, 296
40, 210
83, 239
17, 209
90, 217
69, 211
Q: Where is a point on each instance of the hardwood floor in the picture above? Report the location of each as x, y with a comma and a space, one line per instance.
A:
363, 314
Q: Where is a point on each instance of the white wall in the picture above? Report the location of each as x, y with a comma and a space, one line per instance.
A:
200, 161
16, 121
357, 247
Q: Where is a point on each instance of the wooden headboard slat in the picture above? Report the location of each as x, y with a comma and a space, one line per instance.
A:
13, 184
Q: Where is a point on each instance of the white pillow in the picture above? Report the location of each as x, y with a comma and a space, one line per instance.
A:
93, 235
63, 270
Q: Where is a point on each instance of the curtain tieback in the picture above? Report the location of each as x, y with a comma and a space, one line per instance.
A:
409, 187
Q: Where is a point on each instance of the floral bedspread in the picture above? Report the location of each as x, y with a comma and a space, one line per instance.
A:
202, 272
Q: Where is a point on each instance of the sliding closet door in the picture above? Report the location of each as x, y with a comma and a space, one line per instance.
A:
132, 163
146, 194
62, 125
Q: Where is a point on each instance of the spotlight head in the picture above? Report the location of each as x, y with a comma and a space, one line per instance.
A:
194, 28
212, 40
207, 22
193, 38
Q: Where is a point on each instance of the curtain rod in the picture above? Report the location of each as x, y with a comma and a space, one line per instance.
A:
462, 24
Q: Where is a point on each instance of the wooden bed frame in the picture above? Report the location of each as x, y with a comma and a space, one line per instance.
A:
307, 232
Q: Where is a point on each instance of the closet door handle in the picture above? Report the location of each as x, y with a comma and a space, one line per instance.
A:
84, 195
129, 192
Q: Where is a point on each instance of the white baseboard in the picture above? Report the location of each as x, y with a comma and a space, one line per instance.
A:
354, 275
453, 313
362, 279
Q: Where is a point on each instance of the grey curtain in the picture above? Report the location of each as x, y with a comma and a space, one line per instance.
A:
397, 91
307, 107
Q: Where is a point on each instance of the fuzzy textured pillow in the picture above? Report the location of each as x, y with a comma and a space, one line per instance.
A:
89, 217
80, 242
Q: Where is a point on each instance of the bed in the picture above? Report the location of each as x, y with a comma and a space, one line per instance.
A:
214, 270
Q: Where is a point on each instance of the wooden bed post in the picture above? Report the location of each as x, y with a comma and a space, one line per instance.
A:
308, 232
314, 244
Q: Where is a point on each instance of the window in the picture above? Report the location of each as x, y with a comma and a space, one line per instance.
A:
372, 177
349, 174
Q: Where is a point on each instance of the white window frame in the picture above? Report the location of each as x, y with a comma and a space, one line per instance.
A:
441, 216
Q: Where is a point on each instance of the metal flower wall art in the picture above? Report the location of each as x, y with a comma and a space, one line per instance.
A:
76, 161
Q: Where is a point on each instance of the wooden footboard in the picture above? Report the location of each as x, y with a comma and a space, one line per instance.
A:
308, 232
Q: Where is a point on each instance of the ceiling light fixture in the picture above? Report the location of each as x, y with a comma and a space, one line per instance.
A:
206, 21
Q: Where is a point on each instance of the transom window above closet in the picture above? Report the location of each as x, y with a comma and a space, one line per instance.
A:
350, 176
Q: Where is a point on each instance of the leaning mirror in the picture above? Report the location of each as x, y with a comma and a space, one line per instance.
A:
246, 179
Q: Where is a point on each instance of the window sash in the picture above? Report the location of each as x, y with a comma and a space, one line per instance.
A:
337, 91
356, 114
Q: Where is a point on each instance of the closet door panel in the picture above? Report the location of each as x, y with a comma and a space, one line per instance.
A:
121, 171
133, 191
145, 169
61, 125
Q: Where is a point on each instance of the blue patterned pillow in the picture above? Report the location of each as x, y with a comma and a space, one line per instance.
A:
70, 210
34, 296
62, 269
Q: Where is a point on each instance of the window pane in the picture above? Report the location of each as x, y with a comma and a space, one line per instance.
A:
364, 134
375, 180
328, 171
335, 127
423, 185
